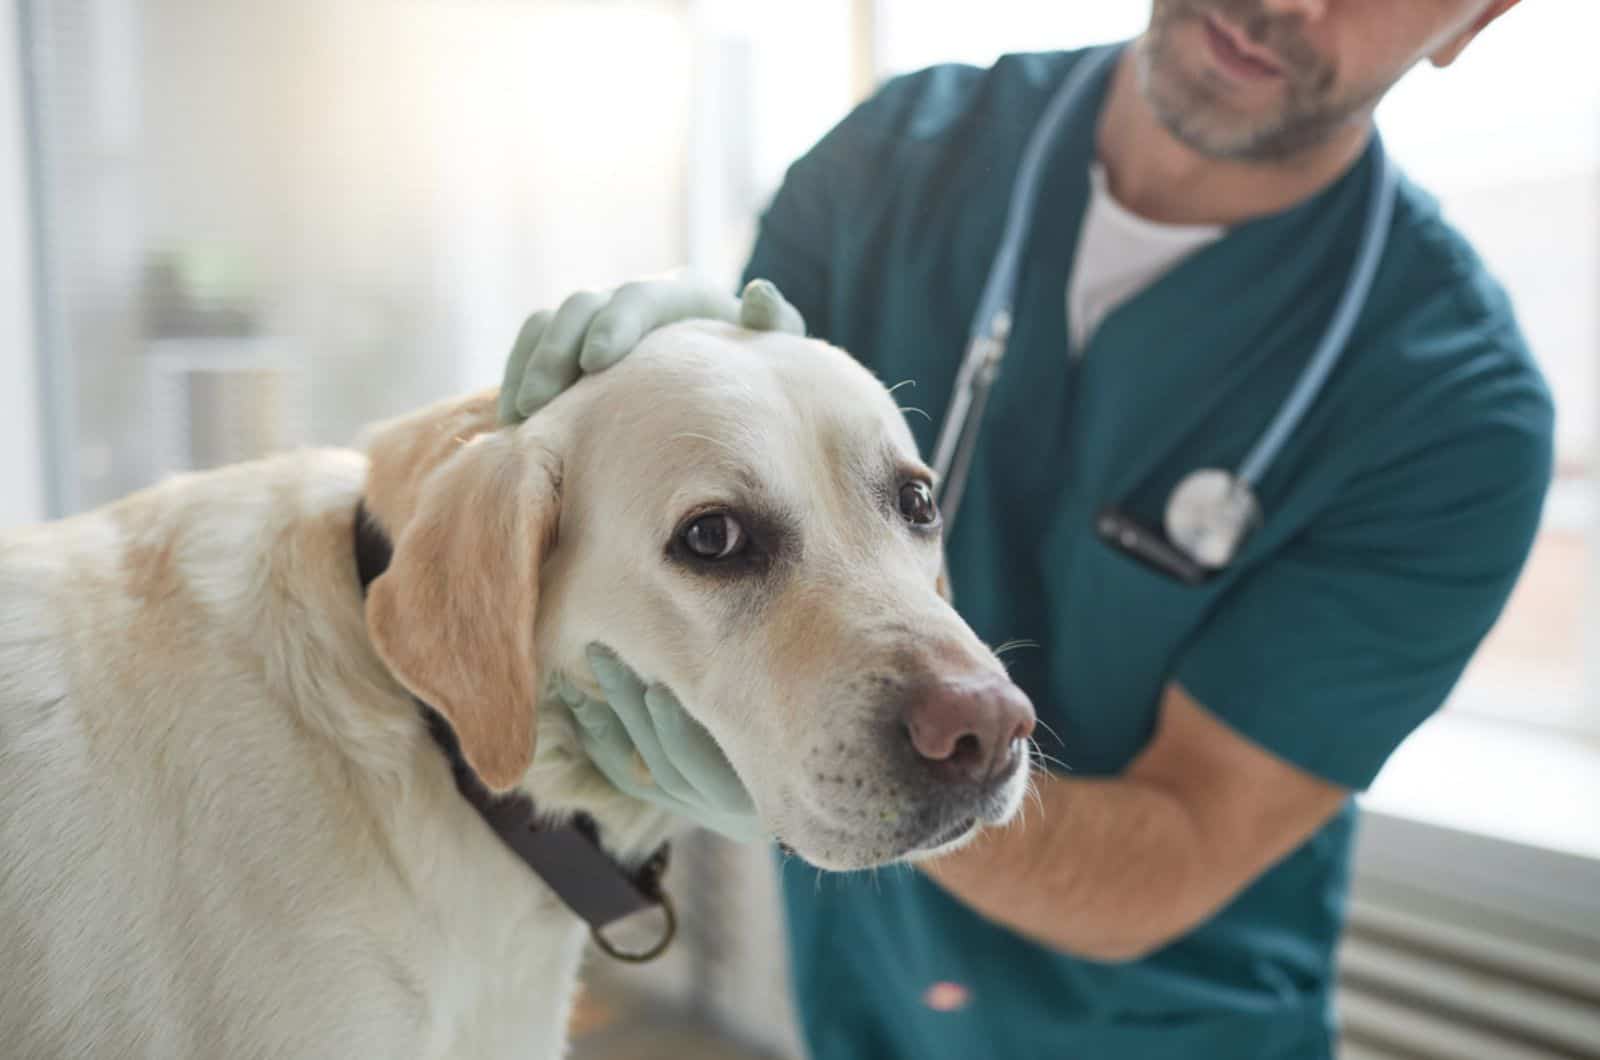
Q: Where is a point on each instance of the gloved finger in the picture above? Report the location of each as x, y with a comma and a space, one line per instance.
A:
639, 308
624, 693
602, 734
763, 308
741, 828
566, 692
553, 365
599, 722
616, 679
609, 747
691, 748
517, 364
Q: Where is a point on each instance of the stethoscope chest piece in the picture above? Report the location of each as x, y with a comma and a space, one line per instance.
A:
1209, 515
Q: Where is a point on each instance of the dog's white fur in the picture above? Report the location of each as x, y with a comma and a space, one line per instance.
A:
224, 830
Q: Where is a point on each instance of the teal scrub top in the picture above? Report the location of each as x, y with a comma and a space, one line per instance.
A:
1396, 521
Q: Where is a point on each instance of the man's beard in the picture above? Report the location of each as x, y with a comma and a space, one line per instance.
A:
1194, 108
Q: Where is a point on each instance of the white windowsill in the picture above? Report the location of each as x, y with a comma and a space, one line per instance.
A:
1502, 815
1534, 787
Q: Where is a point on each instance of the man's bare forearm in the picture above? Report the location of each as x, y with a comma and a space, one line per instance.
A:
1100, 869
1111, 868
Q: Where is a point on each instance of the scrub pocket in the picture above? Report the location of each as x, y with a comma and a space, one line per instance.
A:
1130, 599
1118, 626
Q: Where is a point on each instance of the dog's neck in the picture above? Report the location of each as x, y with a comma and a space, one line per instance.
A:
559, 839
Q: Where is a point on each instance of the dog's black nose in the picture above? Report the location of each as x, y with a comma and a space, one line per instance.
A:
967, 730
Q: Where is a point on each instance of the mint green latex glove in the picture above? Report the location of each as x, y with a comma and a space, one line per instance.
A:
648, 746
590, 332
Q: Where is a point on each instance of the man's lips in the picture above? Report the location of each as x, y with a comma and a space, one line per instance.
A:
1236, 54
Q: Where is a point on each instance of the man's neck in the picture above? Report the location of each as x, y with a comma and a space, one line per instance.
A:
1161, 179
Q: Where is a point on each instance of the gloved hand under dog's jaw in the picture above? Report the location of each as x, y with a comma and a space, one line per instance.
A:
684, 771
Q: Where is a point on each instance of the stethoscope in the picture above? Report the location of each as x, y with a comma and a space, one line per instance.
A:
1212, 511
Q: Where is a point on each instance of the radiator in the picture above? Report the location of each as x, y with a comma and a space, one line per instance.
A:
1450, 954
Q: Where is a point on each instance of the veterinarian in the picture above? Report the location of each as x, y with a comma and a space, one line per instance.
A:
1180, 890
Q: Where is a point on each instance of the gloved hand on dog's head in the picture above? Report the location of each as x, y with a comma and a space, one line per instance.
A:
591, 332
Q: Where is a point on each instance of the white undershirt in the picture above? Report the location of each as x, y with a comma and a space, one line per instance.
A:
1119, 255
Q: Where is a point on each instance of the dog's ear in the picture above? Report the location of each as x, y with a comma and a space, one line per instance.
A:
405, 450
453, 615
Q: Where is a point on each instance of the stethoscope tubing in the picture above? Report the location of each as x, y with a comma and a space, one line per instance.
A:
992, 322
1380, 212
986, 345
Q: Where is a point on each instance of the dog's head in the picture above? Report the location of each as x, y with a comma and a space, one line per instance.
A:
742, 517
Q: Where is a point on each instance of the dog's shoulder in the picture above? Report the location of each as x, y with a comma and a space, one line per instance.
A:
199, 534
163, 580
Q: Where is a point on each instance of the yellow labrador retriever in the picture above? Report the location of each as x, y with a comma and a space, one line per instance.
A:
227, 828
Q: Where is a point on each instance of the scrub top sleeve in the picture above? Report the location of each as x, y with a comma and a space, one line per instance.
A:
1334, 649
791, 248
804, 236
797, 239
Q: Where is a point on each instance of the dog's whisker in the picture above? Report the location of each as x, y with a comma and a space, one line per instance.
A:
1039, 756
1032, 795
1056, 736
901, 383
1013, 645
1033, 800
1048, 759
922, 412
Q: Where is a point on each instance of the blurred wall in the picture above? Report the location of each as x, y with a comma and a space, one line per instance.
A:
270, 224
395, 184
21, 485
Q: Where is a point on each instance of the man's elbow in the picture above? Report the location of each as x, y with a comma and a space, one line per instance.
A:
1157, 918
1142, 928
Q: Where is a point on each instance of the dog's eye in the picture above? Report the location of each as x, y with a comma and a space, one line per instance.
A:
714, 536
916, 504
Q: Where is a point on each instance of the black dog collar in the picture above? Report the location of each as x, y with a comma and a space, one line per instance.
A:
568, 856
